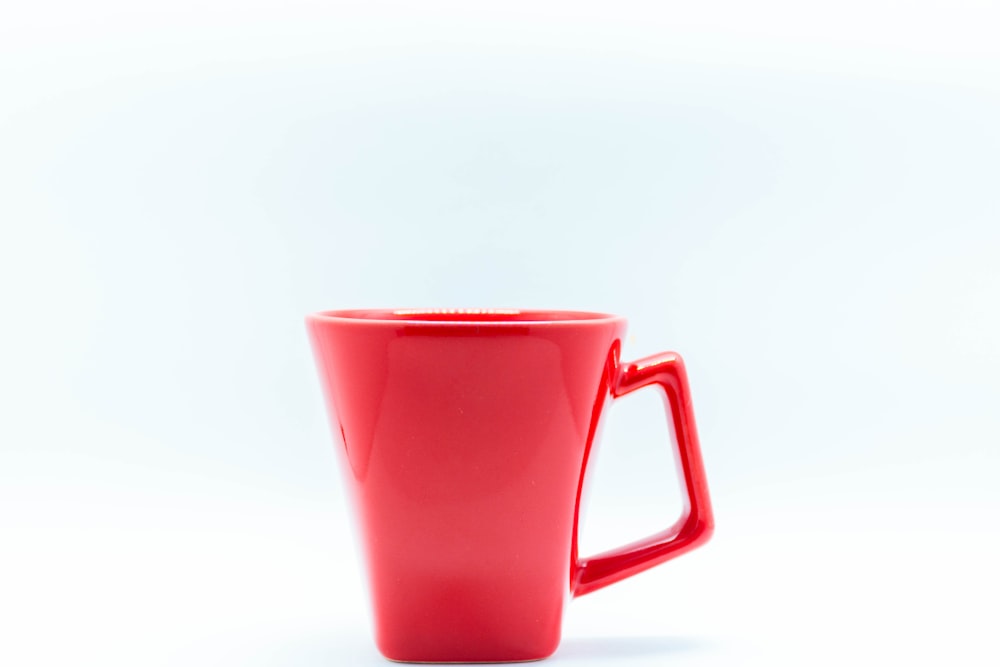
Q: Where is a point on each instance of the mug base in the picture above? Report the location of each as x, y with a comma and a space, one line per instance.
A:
467, 659
466, 662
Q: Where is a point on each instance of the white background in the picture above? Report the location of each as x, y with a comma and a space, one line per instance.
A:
801, 198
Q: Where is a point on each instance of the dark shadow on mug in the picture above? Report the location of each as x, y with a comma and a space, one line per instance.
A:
581, 649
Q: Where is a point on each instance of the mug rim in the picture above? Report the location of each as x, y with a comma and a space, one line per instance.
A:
464, 316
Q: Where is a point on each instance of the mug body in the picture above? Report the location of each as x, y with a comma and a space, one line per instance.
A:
463, 436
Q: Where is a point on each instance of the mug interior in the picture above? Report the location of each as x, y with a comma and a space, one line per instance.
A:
466, 315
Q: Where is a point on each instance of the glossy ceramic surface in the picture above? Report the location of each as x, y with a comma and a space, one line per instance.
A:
465, 436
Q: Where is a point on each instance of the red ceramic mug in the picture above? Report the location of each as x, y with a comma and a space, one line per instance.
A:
465, 436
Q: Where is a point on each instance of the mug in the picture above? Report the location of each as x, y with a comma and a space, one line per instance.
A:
464, 436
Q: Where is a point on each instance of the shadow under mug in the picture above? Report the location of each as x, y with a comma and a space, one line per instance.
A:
464, 436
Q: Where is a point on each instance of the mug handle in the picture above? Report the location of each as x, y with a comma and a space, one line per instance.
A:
696, 523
